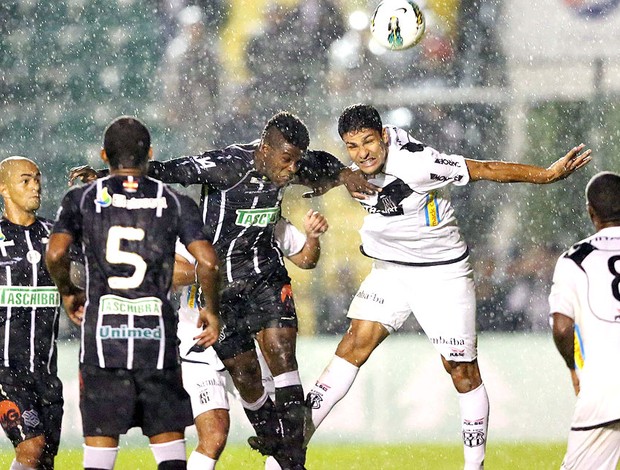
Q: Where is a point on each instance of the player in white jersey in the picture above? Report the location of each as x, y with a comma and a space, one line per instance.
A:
203, 372
585, 311
421, 262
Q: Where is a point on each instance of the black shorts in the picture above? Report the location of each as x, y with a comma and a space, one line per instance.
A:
249, 307
30, 406
112, 401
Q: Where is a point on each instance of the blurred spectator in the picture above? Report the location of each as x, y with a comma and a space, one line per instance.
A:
190, 74
287, 58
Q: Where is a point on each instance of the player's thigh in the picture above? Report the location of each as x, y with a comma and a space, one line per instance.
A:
51, 400
162, 401
443, 300
107, 401
381, 298
21, 415
205, 386
597, 448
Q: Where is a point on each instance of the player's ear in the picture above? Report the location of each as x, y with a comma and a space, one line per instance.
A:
385, 136
150, 153
104, 156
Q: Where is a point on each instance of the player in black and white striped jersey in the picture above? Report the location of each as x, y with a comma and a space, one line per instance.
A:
127, 225
30, 391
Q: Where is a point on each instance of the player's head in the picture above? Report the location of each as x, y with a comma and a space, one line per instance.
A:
126, 143
603, 198
284, 140
361, 130
20, 185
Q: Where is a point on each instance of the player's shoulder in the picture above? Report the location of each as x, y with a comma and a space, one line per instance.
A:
44, 222
577, 253
400, 139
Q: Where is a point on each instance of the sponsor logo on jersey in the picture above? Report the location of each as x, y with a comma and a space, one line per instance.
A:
445, 161
578, 351
131, 203
442, 178
114, 305
124, 332
2, 236
4, 241
431, 210
257, 217
25, 296
103, 199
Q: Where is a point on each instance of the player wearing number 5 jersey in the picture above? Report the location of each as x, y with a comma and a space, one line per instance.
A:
421, 263
127, 225
585, 309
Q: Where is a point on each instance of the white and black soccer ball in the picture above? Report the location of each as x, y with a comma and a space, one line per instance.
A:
398, 24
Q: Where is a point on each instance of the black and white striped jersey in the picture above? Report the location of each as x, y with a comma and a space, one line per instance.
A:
240, 207
29, 301
127, 227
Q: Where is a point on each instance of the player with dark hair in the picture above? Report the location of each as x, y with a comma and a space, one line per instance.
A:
130, 373
421, 262
585, 313
242, 190
30, 391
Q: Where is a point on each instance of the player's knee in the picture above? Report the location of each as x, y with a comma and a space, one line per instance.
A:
465, 375
29, 451
214, 443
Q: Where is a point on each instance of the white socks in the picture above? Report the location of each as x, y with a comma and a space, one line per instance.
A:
474, 407
100, 457
329, 389
198, 461
15, 465
173, 450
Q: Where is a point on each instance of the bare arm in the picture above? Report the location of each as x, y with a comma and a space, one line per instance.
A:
59, 266
507, 172
207, 273
564, 338
184, 272
315, 225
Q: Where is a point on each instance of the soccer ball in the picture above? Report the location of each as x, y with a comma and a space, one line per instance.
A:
397, 24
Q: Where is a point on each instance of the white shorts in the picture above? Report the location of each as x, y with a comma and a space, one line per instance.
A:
442, 298
205, 386
597, 448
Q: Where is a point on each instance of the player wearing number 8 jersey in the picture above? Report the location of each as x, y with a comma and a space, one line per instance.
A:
127, 225
585, 308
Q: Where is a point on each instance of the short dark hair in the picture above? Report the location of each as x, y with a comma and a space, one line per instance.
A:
603, 195
358, 117
126, 142
291, 127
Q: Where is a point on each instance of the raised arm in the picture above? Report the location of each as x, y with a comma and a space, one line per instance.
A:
508, 172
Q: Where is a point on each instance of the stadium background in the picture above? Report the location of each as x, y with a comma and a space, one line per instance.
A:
492, 80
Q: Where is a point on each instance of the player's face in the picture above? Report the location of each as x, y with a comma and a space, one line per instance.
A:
281, 161
367, 149
22, 186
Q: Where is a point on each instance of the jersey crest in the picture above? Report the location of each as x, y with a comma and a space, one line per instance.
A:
388, 201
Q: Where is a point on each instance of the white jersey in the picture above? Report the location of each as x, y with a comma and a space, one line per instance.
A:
411, 221
289, 240
586, 288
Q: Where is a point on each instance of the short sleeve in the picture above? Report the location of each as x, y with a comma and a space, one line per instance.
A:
290, 240
563, 295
